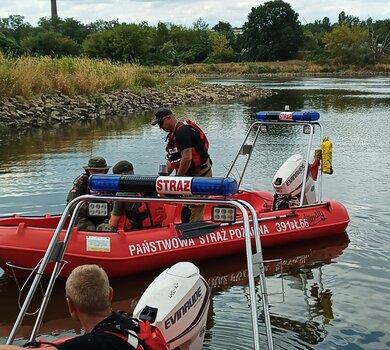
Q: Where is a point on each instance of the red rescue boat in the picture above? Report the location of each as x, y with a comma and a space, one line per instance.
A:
24, 240
295, 212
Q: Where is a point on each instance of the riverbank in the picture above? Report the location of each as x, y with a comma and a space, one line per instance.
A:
277, 68
59, 108
43, 91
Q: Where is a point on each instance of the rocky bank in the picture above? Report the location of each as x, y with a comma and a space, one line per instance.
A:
48, 110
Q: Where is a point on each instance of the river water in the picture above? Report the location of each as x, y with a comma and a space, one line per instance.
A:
336, 291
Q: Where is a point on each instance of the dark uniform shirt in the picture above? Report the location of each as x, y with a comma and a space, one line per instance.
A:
187, 137
98, 339
120, 207
80, 187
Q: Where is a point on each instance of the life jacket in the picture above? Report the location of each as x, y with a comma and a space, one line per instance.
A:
142, 216
141, 336
199, 154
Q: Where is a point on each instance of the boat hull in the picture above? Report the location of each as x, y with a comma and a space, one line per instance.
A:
23, 241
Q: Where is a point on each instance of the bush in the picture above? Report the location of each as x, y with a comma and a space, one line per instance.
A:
9, 46
51, 44
190, 80
260, 69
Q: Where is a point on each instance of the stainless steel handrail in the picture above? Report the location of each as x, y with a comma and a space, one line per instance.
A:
73, 208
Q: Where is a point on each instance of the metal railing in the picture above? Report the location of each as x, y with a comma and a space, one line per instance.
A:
56, 251
247, 149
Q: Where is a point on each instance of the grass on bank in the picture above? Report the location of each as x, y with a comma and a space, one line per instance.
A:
32, 76
29, 77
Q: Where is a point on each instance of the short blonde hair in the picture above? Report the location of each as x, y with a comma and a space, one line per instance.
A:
89, 289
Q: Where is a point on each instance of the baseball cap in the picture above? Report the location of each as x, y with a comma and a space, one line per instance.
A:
160, 114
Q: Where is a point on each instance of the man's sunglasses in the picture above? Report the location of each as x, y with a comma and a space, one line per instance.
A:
161, 122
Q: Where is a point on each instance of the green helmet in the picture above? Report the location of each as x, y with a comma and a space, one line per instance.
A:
97, 163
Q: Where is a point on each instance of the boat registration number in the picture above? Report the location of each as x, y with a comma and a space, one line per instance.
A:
98, 209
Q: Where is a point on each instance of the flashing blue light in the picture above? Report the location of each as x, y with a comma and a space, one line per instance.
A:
216, 186
122, 183
104, 183
309, 116
224, 186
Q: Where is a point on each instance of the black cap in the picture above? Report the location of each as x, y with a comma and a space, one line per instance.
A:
160, 114
123, 166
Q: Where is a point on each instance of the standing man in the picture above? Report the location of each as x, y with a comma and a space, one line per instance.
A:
96, 165
187, 153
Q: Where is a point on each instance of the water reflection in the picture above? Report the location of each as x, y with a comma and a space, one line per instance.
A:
301, 266
225, 276
324, 94
328, 305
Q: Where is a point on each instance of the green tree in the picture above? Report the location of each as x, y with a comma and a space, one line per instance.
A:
348, 20
162, 35
226, 29
379, 39
9, 46
202, 45
129, 42
312, 39
349, 45
14, 27
169, 54
382, 29
99, 44
68, 27
200, 25
272, 32
319, 26
50, 44
221, 49
191, 45
101, 25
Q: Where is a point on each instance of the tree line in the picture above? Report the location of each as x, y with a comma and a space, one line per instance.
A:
272, 32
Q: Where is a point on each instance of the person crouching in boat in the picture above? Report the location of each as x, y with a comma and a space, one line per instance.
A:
89, 296
86, 222
132, 215
187, 153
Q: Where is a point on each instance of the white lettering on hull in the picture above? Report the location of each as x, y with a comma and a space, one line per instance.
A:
222, 235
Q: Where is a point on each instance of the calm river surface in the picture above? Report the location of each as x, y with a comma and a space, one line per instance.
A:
337, 291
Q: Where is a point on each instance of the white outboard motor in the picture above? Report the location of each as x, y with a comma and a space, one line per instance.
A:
287, 184
177, 303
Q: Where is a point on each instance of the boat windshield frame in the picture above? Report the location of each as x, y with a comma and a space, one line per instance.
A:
255, 128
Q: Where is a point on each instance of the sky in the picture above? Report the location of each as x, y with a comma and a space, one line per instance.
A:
183, 12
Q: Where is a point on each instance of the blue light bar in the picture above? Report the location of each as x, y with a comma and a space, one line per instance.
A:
217, 186
273, 116
224, 186
122, 183
104, 183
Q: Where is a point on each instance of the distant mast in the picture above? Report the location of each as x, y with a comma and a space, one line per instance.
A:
54, 9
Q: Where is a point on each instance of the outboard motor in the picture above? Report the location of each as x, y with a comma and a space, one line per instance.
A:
177, 303
287, 184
